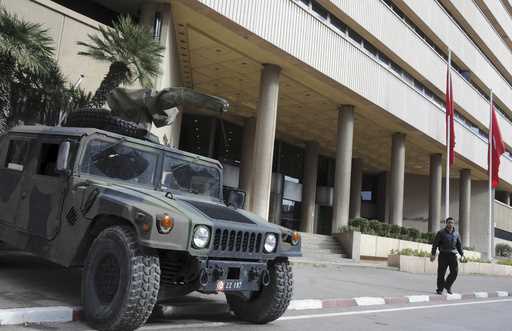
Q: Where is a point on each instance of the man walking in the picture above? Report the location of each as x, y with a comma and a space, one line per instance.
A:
449, 243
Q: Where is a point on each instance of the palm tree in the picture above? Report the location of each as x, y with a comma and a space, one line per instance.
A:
132, 52
24, 46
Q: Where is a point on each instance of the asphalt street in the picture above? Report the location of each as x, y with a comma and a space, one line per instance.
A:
484, 315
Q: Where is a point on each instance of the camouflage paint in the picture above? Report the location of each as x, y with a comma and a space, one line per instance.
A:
97, 201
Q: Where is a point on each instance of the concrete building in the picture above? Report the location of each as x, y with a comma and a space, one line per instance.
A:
337, 105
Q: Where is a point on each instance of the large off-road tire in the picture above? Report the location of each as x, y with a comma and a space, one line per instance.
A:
120, 282
104, 120
271, 302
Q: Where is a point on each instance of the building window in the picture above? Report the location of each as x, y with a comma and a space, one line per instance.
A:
319, 9
355, 36
291, 161
157, 26
195, 134
291, 214
339, 25
228, 148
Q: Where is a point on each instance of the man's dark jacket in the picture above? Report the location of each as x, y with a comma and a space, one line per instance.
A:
448, 242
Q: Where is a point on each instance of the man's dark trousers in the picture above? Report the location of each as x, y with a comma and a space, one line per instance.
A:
446, 259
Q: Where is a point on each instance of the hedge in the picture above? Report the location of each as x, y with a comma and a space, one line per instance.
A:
375, 227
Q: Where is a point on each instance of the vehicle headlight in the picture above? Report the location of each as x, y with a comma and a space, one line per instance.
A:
270, 243
201, 237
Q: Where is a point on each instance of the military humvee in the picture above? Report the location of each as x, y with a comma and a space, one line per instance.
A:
144, 220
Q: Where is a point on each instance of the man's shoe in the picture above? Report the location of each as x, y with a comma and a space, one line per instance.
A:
449, 291
439, 292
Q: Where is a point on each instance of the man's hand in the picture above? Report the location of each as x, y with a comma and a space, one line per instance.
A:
462, 259
432, 258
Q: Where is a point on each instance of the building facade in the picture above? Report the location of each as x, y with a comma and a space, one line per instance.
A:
337, 106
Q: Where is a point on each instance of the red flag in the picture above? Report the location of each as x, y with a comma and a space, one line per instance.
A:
450, 128
497, 149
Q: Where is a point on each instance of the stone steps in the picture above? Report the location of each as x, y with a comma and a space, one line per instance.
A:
318, 247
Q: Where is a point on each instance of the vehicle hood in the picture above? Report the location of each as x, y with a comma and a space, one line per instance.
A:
190, 207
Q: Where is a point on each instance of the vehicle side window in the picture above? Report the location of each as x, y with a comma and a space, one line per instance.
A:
16, 154
48, 159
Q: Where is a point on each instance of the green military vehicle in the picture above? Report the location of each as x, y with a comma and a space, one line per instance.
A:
144, 220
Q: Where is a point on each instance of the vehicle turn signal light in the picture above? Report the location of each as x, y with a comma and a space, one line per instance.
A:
165, 224
295, 238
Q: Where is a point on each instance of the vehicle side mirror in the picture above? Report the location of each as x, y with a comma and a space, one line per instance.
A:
234, 198
63, 157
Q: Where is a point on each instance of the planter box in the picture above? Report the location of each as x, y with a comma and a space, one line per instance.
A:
358, 245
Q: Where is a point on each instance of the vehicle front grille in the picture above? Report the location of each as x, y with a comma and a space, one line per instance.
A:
236, 241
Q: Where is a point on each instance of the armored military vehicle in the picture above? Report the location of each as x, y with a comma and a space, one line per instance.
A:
144, 220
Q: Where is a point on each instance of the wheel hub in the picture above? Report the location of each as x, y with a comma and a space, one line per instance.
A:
107, 277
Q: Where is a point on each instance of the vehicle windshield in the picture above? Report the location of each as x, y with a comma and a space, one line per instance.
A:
189, 176
120, 160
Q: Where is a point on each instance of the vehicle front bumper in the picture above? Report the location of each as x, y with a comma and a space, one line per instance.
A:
232, 276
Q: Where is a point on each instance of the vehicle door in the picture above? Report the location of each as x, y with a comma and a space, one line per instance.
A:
14, 151
40, 209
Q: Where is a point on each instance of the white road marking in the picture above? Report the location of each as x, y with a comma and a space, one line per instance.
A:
369, 301
418, 298
502, 293
327, 315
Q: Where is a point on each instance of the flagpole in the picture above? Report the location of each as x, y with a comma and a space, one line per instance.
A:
448, 138
489, 226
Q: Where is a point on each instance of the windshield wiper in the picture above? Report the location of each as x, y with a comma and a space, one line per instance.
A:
103, 153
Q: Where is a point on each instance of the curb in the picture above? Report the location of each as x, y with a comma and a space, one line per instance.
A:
57, 314
311, 304
61, 314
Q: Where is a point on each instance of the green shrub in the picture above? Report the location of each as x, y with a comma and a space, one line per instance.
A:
503, 250
411, 252
505, 262
383, 229
374, 225
413, 234
428, 237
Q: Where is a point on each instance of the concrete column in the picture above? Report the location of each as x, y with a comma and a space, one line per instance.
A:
465, 206
264, 136
246, 159
309, 186
341, 203
355, 188
436, 179
382, 196
397, 179
170, 66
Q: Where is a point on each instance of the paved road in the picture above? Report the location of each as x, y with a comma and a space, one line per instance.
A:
475, 315
29, 282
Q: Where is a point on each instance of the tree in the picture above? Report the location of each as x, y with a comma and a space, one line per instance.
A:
24, 46
132, 52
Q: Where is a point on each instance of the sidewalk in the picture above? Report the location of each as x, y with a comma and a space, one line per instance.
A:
26, 281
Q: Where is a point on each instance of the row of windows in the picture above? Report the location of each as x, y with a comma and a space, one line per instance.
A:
371, 50
17, 153
465, 73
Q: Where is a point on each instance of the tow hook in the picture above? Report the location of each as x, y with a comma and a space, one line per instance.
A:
265, 278
203, 278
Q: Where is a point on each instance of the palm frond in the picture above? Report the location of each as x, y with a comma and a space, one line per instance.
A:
129, 43
29, 44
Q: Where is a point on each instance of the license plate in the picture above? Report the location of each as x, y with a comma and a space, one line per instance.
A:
228, 285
